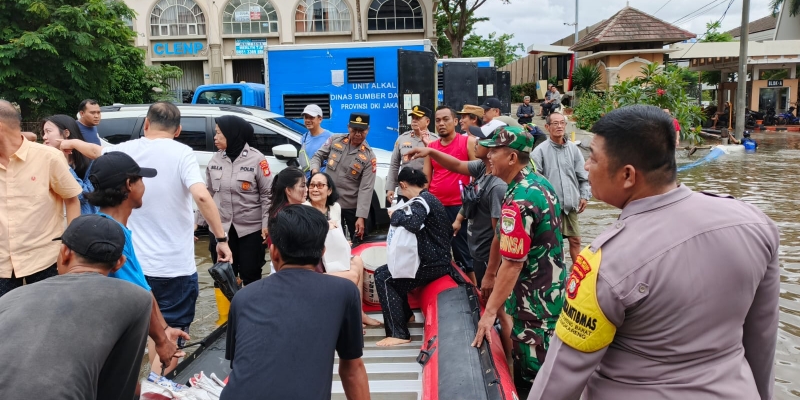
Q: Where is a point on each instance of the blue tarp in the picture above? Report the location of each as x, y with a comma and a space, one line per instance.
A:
711, 156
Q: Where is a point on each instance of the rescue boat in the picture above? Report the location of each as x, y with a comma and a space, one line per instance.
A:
439, 363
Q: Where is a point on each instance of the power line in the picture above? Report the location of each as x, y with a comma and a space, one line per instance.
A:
702, 13
698, 10
704, 34
665, 4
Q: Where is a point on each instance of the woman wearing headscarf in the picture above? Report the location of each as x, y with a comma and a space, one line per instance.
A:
240, 182
58, 128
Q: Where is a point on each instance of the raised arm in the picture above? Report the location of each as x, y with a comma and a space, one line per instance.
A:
90, 150
447, 161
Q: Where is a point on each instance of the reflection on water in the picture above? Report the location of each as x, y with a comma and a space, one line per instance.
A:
766, 179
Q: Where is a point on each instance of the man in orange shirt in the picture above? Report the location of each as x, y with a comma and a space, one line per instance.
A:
36, 188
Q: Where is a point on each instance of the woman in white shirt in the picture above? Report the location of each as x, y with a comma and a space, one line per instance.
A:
322, 195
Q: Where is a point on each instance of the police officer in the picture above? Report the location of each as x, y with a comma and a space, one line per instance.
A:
418, 136
239, 180
352, 165
531, 275
660, 305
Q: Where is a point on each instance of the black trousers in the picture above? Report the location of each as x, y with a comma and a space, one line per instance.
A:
349, 220
248, 254
393, 295
9, 284
459, 244
548, 108
480, 269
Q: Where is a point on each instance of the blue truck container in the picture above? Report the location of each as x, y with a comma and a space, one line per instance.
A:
384, 79
242, 94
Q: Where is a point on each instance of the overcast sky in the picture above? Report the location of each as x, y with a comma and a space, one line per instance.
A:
542, 21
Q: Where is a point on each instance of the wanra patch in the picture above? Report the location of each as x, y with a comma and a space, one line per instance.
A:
582, 324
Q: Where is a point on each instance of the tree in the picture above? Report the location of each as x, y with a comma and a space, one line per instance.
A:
455, 20
54, 53
712, 78
443, 45
499, 47
793, 7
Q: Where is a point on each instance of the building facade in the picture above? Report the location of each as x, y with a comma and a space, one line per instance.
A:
222, 41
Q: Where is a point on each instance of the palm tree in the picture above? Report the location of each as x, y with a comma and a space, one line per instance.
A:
793, 7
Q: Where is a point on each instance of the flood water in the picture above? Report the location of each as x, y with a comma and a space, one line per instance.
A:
766, 179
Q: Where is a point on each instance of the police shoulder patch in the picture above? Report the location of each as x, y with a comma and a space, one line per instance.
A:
582, 324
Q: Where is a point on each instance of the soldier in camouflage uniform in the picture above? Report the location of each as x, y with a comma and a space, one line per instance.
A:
530, 280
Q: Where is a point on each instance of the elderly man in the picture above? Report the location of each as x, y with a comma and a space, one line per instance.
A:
552, 103
418, 136
547, 94
352, 165
561, 162
36, 187
530, 279
660, 305
525, 111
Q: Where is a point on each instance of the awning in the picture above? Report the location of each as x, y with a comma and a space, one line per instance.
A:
548, 50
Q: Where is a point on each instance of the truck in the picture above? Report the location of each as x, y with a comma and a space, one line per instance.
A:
235, 94
385, 79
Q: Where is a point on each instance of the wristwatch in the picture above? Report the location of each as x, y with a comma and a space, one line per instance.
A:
223, 239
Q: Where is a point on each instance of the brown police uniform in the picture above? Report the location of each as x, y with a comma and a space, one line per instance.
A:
352, 169
241, 191
678, 299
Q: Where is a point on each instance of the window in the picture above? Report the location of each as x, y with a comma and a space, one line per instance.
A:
177, 18
322, 16
229, 96
116, 130
293, 104
249, 16
267, 139
360, 70
193, 133
389, 15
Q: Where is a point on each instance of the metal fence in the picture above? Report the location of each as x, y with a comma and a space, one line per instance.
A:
35, 127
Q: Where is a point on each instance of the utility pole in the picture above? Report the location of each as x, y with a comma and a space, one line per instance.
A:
741, 78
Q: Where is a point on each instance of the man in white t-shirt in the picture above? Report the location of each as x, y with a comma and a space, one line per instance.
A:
491, 110
163, 228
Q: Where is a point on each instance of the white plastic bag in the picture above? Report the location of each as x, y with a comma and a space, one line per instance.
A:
337, 251
402, 256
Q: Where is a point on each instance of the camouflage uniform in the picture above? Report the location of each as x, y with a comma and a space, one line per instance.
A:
529, 231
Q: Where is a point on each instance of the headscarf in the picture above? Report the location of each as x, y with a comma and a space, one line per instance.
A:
237, 131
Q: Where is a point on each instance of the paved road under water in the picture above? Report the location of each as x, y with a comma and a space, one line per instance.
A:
767, 179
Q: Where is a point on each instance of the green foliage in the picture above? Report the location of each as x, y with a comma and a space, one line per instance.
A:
663, 89
522, 90
775, 7
499, 47
157, 78
455, 19
55, 53
585, 78
712, 35
553, 80
690, 78
589, 110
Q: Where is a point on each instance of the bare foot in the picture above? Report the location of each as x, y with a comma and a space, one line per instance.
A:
367, 320
391, 341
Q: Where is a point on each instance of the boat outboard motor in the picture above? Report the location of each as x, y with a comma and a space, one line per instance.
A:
223, 276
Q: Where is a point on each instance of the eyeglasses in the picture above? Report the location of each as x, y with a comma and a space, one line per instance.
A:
317, 185
558, 123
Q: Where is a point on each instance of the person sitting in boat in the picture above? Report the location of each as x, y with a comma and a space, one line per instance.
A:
748, 143
322, 195
288, 187
283, 330
433, 231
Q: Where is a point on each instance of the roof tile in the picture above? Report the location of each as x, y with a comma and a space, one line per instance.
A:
632, 25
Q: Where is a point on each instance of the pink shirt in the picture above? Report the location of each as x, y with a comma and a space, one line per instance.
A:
444, 184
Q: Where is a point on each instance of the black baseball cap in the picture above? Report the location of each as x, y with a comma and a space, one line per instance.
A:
111, 170
359, 120
420, 111
491, 102
95, 237
478, 132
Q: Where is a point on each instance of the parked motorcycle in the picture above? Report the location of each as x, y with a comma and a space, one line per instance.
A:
787, 118
769, 116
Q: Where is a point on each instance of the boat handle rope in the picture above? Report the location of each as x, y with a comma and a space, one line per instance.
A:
425, 354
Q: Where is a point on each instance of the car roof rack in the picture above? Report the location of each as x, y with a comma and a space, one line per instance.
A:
221, 107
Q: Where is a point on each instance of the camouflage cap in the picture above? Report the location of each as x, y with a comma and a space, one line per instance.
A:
514, 137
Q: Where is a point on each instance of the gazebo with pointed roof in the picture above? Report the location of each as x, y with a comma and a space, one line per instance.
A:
628, 40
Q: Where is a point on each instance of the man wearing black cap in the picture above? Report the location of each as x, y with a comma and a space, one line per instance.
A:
352, 164
78, 335
418, 136
491, 110
118, 190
